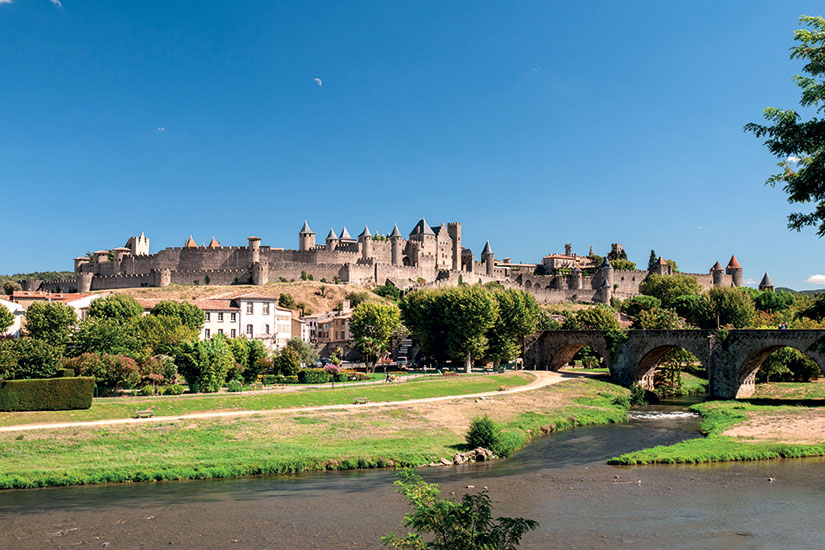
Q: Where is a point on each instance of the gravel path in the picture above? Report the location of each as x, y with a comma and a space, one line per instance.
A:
543, 378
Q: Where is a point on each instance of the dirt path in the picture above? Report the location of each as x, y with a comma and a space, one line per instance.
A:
543, 378
803, 426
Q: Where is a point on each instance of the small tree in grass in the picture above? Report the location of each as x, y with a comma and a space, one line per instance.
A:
484, 433
6, 319
288, 362
467, 524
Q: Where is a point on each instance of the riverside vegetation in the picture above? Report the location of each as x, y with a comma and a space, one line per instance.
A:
298, 441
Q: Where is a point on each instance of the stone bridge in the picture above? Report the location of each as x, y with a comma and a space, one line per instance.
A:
731, 358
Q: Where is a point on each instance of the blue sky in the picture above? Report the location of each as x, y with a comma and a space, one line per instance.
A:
532, 123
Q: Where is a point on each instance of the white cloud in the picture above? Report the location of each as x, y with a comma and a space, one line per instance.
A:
535, 69
793, 159
5, 1
816, 279
699, 227
161, 129
57, 3
749, 282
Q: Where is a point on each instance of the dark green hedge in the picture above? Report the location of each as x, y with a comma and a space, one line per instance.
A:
313, 376
47, 394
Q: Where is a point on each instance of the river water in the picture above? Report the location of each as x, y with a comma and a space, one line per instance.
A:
561, 481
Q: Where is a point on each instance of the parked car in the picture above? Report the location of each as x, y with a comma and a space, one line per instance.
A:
401, 361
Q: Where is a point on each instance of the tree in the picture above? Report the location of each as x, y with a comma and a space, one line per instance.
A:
50, 321
36, 359
669, 287
658, 319
109, 371
518, 314
119, 308
600, 317
188, 314
288, 362
372, 324
306, 350
469, 312
286, 300
768, 300
800, 145
158, 334
637, 304
422, 312
788, 365
205, 363
623, 264
108, 336
652, 260
9, 287
358, 298
391, 292
732, 306
467, 524
6, 319
8, 358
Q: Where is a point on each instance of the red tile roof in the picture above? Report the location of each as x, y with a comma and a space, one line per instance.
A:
190, 243
733, 262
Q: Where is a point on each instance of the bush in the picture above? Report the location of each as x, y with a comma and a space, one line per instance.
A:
484, 433
66, 373
109, 371
51, 394
290, 379
271, 379
313, 376
637, 395
147, 390
332, 370
173, 389
288, 362
341, 377
35, 359
234, 386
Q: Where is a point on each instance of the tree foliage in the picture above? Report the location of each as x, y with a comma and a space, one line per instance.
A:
34, 359
118, 307
372, 324
6, 318
188, 314
668, 288
658, 319
467, 524
788, 365
599, 317
623, 264
52, 322
518, 315
287, 362
205, 363
800, 145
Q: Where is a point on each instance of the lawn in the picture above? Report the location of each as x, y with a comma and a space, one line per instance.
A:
417, 388
790, 390
292, 442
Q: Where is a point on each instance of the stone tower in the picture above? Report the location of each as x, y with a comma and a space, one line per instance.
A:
488, 258
332, 240
605, 273
766, 283
254, 250
454, 231
717, 274
568, 249
735, 271
306, 238
574, 282
365, 240
605, 292
662, 267
139, 246
396, 242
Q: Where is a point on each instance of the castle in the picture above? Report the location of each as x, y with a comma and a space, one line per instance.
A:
427, 257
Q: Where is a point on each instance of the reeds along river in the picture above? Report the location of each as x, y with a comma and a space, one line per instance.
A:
561, 481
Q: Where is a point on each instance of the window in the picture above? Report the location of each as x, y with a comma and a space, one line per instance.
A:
206, 333
266, 309
249, 309
232, 317
206, 317
232, 332
249, 330
220, 331
266, 331
220, 317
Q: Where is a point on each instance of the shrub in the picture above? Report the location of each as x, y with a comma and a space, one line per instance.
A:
173, 389
332, 370
341, 377
270, 379
234, 386
66, 373
36, 359
288, 362
290, 379
483, 432
147, 390
313, 376
637, 395
109, 371
51, 394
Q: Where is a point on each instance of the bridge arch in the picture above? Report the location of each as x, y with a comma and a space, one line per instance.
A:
749, 367
650, 358
552, 350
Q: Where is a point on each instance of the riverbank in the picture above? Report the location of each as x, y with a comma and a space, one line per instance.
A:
273, 443
741, 431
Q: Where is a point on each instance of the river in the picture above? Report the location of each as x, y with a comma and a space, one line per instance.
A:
561, 481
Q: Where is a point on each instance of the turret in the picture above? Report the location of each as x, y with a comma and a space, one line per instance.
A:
306, 238
605, 292
254, 250
454, 231
488, 258
568, 249
605, 273
574, 281
81, 263
766, 283
662, 267
396, 241
735, 271
365, 240
332, 240
717, 274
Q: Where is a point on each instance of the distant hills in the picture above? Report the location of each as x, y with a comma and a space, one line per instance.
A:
815, 291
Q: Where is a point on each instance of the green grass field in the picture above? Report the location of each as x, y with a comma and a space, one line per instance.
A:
417, 388
718, 416
790, 390
295, 442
